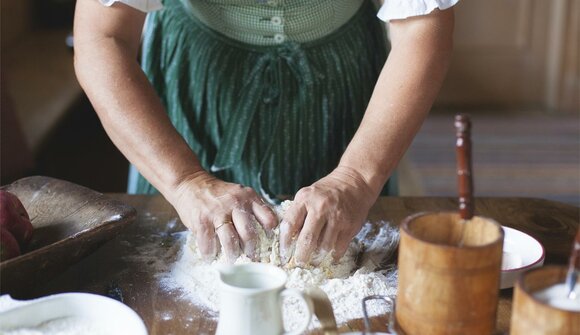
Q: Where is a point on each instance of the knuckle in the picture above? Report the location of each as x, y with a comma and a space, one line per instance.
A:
319, 206
308, 239
332, 224
290, 223
247, 189
303, 193
247, 233
226, 240
288, 216
204, 229
265, 212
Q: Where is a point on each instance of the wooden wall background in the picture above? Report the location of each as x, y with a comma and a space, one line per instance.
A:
515, 54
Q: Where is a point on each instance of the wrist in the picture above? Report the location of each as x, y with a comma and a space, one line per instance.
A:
185, 183
374, 170
357, 180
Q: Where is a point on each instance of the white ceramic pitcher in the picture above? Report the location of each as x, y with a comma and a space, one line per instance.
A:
251, 300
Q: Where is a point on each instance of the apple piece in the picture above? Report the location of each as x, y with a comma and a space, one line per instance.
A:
14, 218
8, 245
8, 214
22, 231
19, 206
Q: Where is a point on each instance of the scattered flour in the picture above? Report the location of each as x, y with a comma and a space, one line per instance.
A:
363, 271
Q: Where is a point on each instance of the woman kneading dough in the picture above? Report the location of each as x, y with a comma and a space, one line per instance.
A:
235, 104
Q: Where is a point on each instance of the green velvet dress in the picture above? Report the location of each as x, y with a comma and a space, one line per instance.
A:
268, 94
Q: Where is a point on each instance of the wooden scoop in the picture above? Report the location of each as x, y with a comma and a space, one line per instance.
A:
464, 174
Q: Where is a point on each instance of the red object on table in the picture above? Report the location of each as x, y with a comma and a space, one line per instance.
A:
8, 245
14, 218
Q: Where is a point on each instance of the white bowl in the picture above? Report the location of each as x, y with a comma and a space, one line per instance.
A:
111, 315
521, 252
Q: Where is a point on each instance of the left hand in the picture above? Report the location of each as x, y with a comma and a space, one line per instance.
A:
325, 216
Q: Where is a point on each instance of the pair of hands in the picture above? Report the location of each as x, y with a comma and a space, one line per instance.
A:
323, 218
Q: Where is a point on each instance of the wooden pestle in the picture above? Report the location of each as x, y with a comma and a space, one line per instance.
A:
464, 174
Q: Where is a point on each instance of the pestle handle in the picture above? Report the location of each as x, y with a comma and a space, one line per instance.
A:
464, 171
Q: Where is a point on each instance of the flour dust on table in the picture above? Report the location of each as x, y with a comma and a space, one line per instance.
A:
364, 270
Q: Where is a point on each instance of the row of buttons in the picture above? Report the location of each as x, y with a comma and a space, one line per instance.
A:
275, 20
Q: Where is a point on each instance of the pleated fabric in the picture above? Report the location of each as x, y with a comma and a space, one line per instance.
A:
276, 118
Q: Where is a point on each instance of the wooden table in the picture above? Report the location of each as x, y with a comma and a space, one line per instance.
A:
114, 270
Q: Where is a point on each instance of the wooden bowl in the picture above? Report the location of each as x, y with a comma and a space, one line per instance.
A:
532, 316
70, 221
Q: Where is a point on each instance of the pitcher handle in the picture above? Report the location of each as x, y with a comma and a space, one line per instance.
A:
290, 292
323, 310
392, 320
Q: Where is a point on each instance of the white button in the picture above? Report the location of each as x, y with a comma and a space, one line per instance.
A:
276, 20
279, 38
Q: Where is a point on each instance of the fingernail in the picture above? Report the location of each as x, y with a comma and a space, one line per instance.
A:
209, 255
207, 258
300, 258
231, 259
300, 263
291, 251
250, 251
283, 253
284, 227
319, 257
269, 233
286, 253
284, 241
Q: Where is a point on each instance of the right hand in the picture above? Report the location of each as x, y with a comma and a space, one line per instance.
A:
205, 202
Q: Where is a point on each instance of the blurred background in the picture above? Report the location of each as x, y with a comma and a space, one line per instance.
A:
515, 70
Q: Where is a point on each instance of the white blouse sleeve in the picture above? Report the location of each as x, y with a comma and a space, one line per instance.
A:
401, 9
142, 5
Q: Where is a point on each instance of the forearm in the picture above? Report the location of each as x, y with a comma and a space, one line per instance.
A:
130, 110
406, 88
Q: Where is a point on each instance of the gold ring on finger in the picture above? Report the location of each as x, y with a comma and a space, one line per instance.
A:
226, 222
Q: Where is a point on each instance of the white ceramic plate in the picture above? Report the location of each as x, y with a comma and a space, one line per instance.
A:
109, 315
521, 252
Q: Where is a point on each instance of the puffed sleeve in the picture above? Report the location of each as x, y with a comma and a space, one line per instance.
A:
401, 9
142, 5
